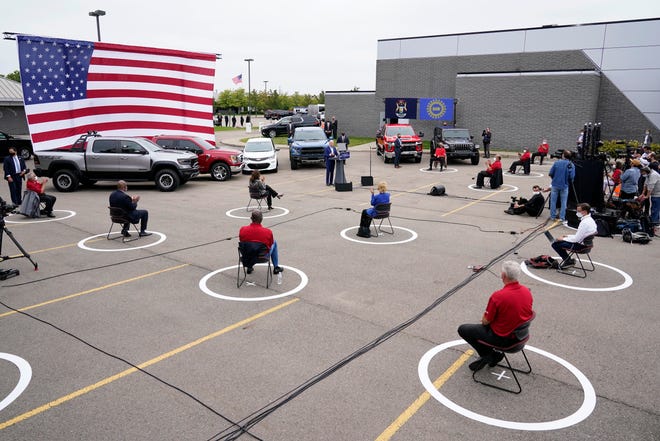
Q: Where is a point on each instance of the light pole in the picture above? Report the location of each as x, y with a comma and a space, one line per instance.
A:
98, 13
265, 89
249, 60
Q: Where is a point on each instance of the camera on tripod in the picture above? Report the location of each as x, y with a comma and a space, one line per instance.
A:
5, 208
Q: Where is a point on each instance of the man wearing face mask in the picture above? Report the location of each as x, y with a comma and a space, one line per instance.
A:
575, 241
533, 206
15, 169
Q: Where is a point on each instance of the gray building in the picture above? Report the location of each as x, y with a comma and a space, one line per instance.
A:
12, 113
525, 84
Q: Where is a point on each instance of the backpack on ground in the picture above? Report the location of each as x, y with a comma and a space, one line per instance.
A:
543, 261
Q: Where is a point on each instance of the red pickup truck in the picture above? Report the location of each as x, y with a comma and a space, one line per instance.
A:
412, 142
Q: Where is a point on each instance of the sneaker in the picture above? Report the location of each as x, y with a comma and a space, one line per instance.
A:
566, 263
277, 270
508, 211
478, 186
478, 365
280, 196
144, 233
50, 214
270, 208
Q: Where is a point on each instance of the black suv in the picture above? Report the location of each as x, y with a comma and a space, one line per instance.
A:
288, 124
457, 143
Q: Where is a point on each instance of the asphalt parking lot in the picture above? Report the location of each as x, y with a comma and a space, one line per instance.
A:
152, 339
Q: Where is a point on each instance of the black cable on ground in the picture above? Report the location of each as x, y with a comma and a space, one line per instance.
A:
236, 431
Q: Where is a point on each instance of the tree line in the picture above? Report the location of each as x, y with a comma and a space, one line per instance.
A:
262, 100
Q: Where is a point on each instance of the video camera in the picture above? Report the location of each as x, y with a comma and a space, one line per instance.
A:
5, 208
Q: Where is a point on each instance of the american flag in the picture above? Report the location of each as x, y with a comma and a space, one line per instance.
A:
238, 79
70, 87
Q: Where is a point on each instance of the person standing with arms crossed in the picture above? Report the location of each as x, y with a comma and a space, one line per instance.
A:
15, 169
486, 137
398, 145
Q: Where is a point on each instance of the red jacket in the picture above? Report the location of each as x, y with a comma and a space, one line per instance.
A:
34, 185
543, 148
256, 233
525, 156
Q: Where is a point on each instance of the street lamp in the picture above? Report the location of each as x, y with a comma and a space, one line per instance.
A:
249, 60
98, 13
265, 89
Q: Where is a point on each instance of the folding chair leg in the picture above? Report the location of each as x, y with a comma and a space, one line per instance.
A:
513, 374
582, 272
380, 226
239, 280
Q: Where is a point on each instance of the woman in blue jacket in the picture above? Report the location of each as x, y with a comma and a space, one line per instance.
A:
382, 197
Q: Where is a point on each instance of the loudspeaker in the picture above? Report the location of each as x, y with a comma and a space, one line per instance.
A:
347, 186
588, 183
367, 181
437, 190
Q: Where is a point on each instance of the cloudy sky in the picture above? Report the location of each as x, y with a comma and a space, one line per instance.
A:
303, 46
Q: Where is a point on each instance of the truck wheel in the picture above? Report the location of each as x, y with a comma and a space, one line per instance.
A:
167, 180
24, 153
65, 180
385, 158
475, 159
220, 171
272, 133
294, 164
418, 159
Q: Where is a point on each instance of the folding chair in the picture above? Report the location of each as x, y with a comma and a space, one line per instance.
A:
496, 180
382, 213
258, 197
588, 245
249, 254
119, 216
522, 334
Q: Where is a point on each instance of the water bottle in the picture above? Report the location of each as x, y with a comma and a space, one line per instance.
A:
279, 278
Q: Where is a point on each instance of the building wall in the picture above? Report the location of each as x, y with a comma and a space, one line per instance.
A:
358, 113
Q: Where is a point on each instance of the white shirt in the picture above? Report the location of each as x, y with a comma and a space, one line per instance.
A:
586, 228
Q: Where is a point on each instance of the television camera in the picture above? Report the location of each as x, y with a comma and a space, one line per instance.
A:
5, 210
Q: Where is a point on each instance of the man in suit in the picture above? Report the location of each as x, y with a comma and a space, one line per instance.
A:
329, 154
15, 169
119, 198
343, 139
333, 126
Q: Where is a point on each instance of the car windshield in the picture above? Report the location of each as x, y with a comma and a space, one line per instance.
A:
456, 133
259, 146
309, 135
404, 130
204, 143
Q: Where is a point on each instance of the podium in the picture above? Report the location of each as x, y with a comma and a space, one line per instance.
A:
340, 175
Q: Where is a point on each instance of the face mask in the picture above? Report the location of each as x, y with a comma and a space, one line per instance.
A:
579, 215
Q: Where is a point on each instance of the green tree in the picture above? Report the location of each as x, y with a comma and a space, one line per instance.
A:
15, 76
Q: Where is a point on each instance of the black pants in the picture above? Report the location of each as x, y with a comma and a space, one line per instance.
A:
365, 219
540, 155
472, 333
15, 188
480, 177
397, 157
49, 201
486, 149
270, 195
561, 247
138, 215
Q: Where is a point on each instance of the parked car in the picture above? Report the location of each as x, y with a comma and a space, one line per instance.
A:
289, 123
23, 147
277, 113
307, 146
260, 154
221, 163
458, 143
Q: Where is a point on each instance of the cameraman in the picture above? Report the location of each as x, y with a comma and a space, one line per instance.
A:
533, 206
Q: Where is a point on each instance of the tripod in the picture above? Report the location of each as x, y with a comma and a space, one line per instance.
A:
4, 274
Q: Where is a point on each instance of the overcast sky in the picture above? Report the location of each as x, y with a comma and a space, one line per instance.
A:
304, 46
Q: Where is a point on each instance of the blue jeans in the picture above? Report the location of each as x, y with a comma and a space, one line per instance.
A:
655, 210
563, 197
273, 254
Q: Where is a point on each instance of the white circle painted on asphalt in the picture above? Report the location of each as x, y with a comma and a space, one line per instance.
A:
82, 245
530, 175
446, 170
25, 375
202, 285
627, 280
48, 219
587, 407
490, 190
413, 236
247, 214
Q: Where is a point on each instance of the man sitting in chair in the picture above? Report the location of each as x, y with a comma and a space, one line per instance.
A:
255, 232
574, 242
507, 309
120, 199
490, 171
523, 158
37, 185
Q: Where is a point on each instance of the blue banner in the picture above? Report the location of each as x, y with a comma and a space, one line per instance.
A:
401, 108
437, 109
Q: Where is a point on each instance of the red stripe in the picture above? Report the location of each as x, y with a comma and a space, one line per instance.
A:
120, 125
154, 51
101, 61
107, 110
132, 93
127, 78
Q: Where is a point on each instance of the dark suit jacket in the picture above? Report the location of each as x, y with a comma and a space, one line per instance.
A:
121, 200
10, 167
344, 139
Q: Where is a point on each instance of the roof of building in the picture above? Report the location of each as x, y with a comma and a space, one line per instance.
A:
10, 92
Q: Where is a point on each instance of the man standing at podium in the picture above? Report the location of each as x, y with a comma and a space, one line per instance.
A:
330, 155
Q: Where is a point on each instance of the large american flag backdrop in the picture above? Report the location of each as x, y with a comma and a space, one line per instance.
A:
70, 87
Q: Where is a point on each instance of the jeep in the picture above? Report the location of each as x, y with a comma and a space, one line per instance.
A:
457, 142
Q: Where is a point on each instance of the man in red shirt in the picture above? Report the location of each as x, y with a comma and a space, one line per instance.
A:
523, 158
492, 167
507, 309
37, 185
541, 151
255, 232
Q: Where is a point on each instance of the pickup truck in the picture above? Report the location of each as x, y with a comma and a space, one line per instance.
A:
412, 142
93, 157
23, 147
307, 146
457, 143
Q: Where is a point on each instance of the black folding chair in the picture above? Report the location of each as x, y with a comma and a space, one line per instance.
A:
588, 244
258, 197
119, 216
382, 213
249, 254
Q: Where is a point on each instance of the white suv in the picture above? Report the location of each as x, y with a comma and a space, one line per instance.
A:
260, 154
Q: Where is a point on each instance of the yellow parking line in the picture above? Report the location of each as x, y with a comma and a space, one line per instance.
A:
56, 248
423, 398
100, 288
108, 380
471, 203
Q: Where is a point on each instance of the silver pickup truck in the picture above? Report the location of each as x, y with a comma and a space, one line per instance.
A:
95, 158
